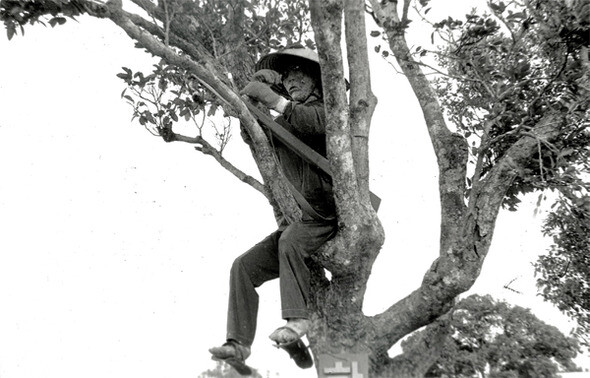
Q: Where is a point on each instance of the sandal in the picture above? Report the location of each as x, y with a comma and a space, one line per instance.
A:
296, 348
234, 354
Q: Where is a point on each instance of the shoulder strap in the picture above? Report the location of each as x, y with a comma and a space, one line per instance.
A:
306, 206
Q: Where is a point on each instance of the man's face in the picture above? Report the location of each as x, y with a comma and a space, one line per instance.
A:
298, 84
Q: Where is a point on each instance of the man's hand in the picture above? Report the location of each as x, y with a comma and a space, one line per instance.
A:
262, 93
267, 76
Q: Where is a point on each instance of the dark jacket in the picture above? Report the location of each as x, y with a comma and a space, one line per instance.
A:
307, 122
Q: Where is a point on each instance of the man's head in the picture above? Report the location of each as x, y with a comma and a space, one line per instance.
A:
299, 70
299, 84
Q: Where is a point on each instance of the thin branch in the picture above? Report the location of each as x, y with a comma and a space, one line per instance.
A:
207, 149
405, 11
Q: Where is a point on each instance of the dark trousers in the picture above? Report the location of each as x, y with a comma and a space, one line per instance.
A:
281, 255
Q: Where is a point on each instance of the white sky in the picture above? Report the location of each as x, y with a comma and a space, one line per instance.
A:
115, 247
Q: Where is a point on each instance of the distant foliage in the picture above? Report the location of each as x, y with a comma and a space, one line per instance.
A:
496, 339
223, 370
565, 271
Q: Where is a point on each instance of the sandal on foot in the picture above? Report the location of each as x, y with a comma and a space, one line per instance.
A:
298, 352
291, 332
233, 354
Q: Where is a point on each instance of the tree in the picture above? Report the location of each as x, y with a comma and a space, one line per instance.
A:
222, 370
514, 85
492, 338
564, 271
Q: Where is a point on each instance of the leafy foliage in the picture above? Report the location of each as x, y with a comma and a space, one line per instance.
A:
565, 270
268, 24
509, 341
162, 97
506, 71
167, 96
17, 14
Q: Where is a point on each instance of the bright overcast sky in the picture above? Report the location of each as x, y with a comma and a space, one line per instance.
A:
115, 247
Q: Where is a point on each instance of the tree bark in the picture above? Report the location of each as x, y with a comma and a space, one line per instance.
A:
339, 325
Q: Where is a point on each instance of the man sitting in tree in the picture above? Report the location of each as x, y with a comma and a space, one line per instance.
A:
295, 72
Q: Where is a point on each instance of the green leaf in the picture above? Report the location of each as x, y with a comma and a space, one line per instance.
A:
10, 31
57, 21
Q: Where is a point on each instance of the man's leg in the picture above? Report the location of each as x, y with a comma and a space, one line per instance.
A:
297, 243
250, 270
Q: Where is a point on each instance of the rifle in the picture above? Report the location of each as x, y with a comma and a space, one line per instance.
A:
301, 149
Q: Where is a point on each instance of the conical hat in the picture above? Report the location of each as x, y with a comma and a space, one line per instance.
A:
281, 60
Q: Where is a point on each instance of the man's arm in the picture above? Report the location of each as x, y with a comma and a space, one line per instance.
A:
305, 119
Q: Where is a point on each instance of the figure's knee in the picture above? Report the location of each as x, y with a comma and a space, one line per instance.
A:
285, 242
237, 266
288, 244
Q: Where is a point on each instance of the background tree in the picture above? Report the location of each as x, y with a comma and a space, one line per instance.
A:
223, 370
490, 338
565, 271
520, 127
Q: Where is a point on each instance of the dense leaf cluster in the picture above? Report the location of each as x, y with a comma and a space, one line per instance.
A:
17, 14
509, 69
260, 24
565, 270
494, 339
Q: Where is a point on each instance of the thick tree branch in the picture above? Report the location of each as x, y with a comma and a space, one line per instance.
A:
362, 100
511, 165
458, 267
326, 19
450, 149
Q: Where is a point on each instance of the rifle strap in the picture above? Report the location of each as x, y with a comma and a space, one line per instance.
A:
306, 206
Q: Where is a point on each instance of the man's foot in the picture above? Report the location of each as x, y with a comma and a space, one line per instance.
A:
234, 354
289, 337
294, 330
298, 352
